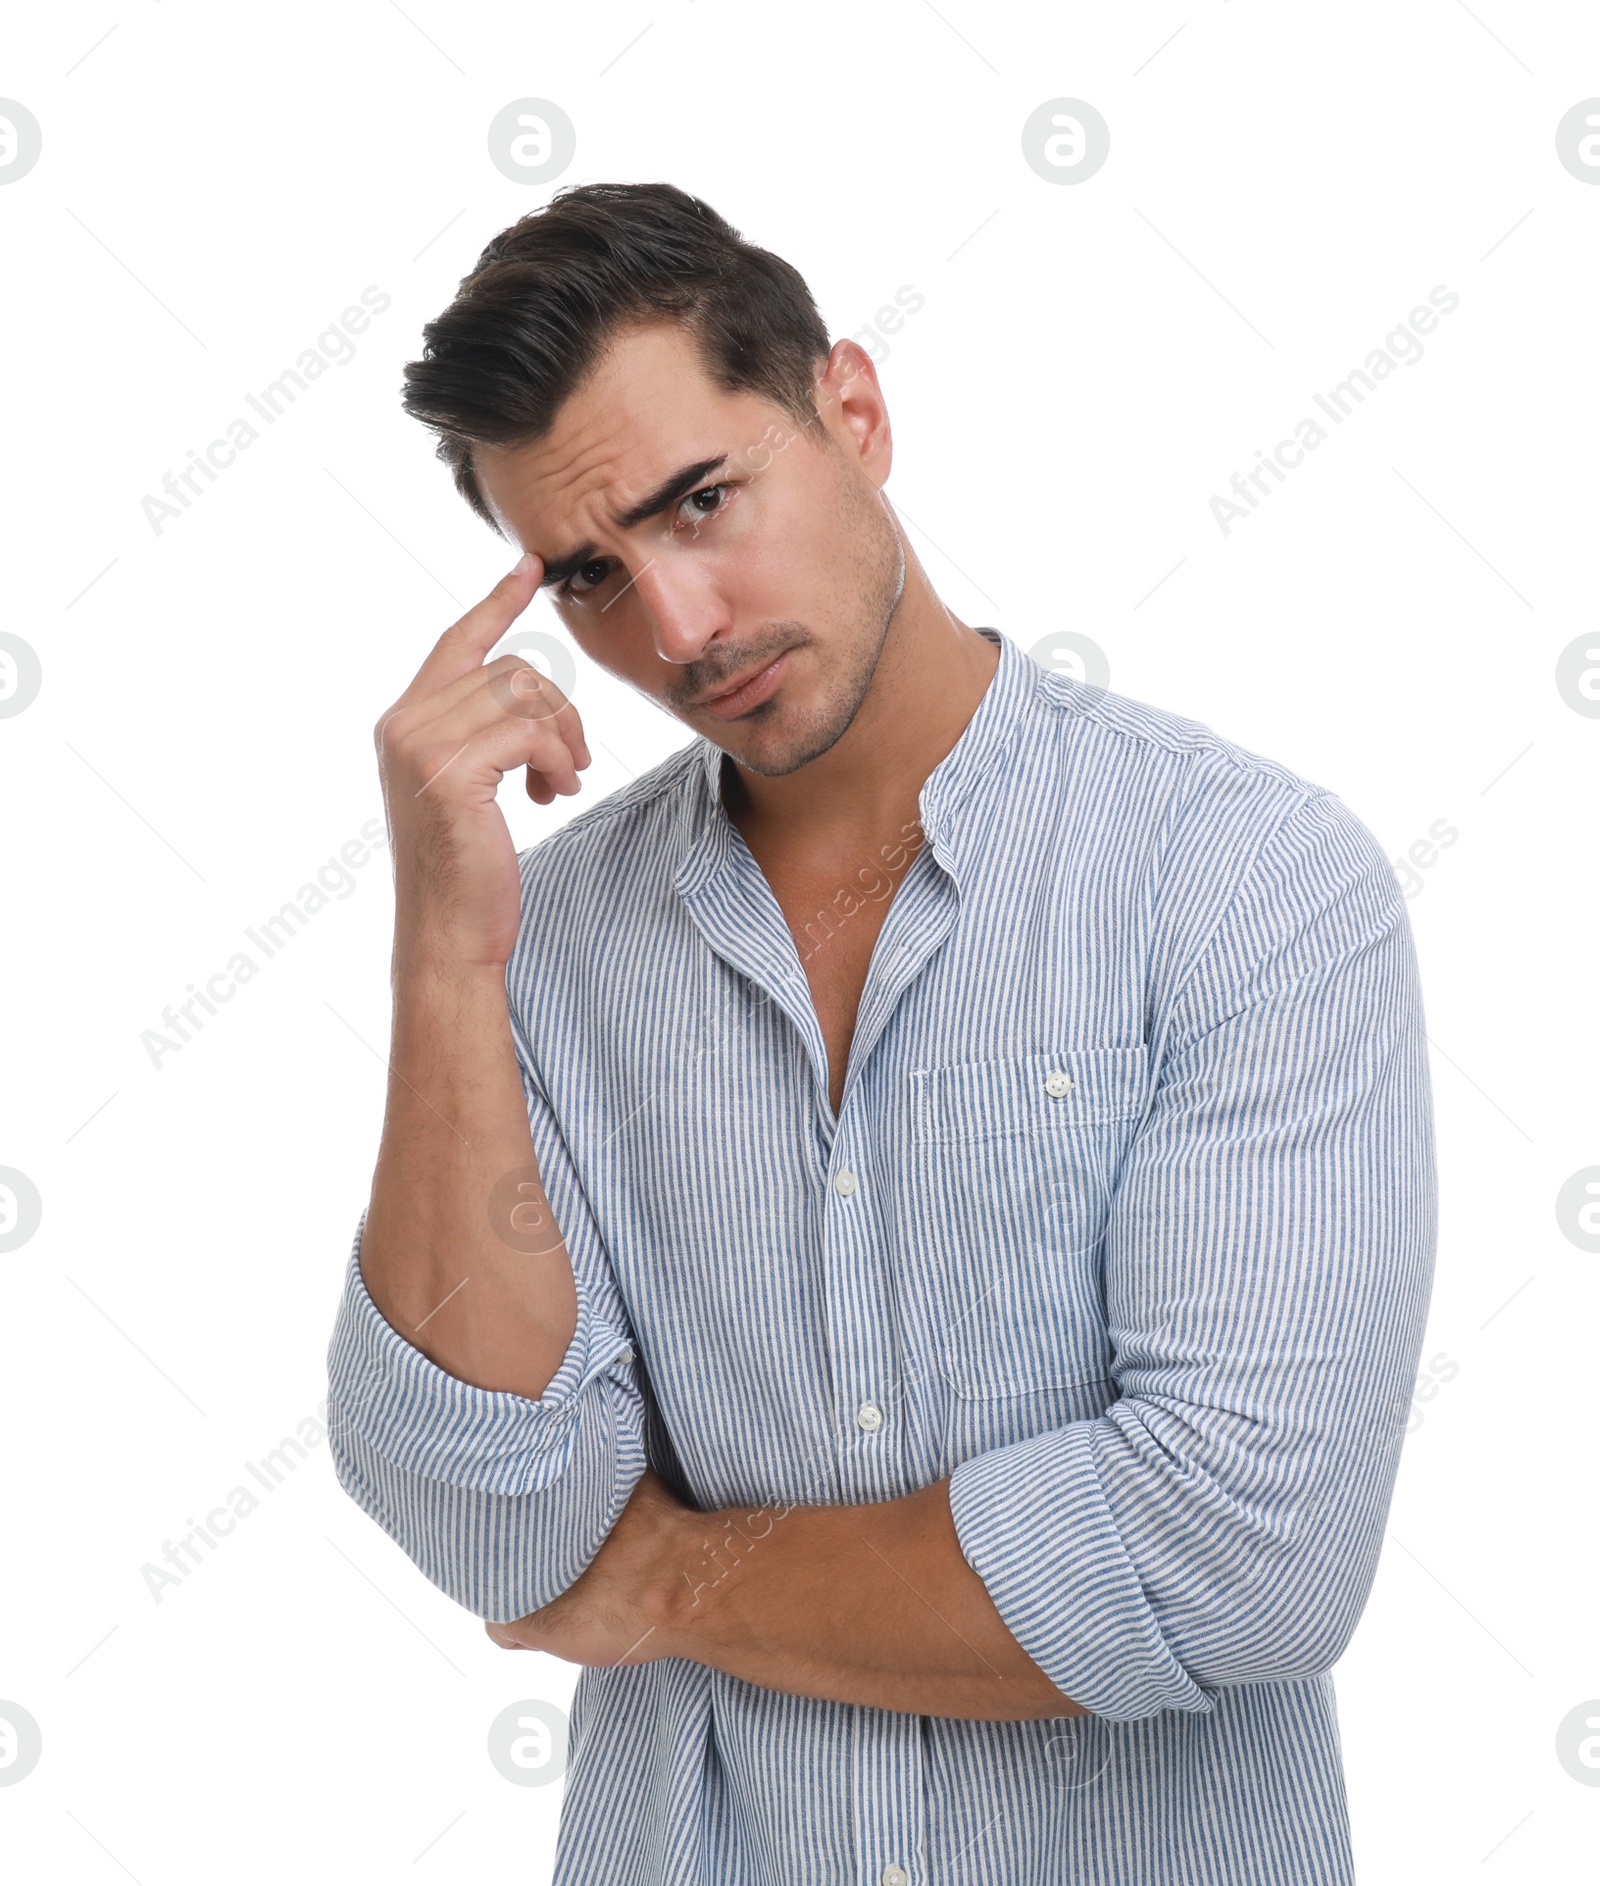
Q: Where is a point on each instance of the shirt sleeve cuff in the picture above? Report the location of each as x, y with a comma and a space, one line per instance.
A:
1033, 1523
427, 1422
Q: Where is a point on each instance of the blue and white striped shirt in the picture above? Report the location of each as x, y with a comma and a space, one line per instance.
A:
1137, 1246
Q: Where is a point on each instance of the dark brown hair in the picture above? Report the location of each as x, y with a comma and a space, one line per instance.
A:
548, 294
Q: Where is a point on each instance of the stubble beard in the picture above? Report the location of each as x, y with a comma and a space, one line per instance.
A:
881, 585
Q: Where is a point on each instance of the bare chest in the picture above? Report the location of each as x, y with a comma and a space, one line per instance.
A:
835, 922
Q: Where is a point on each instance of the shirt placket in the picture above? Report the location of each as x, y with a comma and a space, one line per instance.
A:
865, 1344
891, 1840
887, 1778
865, 1336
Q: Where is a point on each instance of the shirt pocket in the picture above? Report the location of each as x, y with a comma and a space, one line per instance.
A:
1014, 1164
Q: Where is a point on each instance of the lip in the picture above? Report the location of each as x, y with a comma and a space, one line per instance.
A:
747, 694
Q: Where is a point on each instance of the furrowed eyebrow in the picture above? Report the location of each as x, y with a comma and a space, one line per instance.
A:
678, 486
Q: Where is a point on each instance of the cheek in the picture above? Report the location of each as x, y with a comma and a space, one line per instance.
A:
785, 552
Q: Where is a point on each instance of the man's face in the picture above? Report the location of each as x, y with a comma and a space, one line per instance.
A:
760, 542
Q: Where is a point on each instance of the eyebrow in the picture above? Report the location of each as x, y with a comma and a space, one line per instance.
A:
678, 486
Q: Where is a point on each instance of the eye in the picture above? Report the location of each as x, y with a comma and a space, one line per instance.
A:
567, 589
705, 491
575, 586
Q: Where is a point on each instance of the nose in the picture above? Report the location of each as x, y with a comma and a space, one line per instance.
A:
683, 607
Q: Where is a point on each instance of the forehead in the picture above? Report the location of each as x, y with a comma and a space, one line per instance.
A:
647, 407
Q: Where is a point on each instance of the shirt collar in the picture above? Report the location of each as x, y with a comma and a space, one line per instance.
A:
978, 750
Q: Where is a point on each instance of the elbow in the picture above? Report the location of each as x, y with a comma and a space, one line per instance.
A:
1293, 1617
498, 1555
495, 1586
1301, 1635
1310, 1646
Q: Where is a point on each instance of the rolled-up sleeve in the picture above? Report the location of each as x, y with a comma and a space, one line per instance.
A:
501, 1500
1268, 1262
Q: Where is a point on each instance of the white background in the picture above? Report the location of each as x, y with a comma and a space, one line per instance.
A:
1091, 365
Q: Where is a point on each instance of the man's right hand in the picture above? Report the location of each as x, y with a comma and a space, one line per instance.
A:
435, 1254
443, 749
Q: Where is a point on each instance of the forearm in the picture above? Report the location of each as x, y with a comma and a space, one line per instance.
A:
866, 1604
461, 1252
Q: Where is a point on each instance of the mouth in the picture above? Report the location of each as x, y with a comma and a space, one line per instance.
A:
745, 694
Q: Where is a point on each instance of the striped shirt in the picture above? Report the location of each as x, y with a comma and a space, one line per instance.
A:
1126, 1224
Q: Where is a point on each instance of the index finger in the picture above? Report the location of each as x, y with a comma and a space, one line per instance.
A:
465, 644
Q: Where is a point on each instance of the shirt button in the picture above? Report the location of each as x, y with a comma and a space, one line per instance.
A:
893, 1875
869, 1416
844, 1183
1057, 1084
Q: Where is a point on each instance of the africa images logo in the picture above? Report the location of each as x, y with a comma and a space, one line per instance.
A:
1402, 345
334, 346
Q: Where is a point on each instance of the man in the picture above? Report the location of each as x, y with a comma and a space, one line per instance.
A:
902, 1237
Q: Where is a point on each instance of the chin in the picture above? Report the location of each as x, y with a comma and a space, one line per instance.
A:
776, 746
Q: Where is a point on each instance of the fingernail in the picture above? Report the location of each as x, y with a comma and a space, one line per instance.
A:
524, 562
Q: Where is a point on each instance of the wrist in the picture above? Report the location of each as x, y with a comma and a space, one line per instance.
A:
697, 1598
